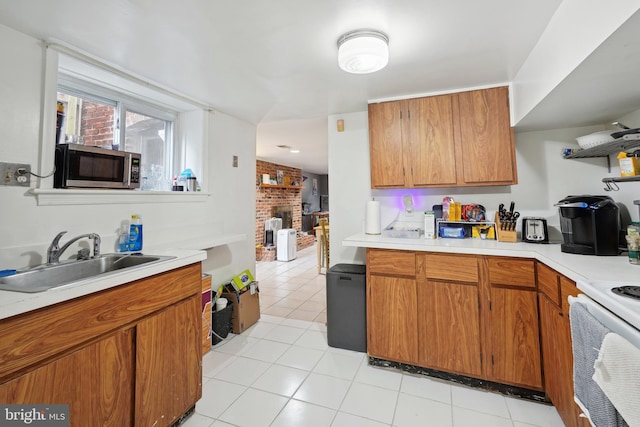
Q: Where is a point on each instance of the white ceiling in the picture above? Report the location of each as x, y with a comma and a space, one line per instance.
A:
274, 63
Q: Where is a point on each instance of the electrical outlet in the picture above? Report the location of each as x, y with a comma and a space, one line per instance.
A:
15, 174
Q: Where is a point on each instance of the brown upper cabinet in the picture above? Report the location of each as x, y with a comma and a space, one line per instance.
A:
454, 140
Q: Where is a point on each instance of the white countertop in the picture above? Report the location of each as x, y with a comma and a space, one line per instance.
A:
13, 303
585, 268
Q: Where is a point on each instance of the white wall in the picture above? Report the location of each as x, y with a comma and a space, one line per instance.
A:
349, 183
544, 179
26, 229
576, 29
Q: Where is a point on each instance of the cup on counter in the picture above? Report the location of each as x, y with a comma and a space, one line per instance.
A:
633, 248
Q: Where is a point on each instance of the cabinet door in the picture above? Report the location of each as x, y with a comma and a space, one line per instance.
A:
392, 331
450, 338
514, 335
385, 145
168, 364
558, 362
548, 282
431, 149
486, 141
96, 381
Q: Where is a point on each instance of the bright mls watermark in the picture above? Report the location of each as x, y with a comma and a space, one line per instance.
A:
34, 415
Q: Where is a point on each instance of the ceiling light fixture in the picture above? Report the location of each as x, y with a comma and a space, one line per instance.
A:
363, 51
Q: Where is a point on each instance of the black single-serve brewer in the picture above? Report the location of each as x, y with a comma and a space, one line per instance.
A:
589, 224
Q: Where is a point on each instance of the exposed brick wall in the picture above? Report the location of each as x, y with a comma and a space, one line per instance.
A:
268, 197
97, 124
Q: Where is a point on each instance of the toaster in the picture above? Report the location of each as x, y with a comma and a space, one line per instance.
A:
534, 230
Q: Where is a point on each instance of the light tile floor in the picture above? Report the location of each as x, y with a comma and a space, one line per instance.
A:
293, 289
281, 373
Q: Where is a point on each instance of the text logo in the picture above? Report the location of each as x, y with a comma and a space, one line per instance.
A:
34, 415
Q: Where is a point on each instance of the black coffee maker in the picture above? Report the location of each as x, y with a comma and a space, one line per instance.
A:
590, 225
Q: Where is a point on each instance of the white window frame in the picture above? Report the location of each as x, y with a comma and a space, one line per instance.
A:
136, 96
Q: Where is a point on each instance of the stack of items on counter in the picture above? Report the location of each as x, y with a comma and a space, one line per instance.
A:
457, 221
237, 306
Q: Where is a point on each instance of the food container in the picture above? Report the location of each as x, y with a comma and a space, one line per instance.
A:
629, 164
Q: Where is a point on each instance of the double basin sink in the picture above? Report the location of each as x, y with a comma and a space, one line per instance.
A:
45, 277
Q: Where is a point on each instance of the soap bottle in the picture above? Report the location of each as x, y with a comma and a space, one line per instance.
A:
135, 234
123, 237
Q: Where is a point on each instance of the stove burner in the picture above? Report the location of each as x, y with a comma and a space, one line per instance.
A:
628, 291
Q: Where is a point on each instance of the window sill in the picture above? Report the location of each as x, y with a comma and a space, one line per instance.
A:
55, 197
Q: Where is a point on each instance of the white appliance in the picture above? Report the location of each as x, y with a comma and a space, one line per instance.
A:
614, 372
286, 249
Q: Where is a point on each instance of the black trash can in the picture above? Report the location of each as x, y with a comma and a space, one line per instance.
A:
220, 323
347, 307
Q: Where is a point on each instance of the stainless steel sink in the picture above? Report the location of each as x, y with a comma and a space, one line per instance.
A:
51, 276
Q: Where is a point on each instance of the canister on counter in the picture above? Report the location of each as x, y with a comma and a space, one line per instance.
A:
191, 183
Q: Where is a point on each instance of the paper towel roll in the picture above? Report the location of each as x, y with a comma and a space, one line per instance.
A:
372, 218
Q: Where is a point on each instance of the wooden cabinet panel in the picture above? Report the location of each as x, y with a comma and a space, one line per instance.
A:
558, 361
461, 139
96, 381
26, 338
451, 336
380, 261
115, 356
392, 331
168, 364
515, 345
548, 282
459, 268
386, 145
512, 272
487, 146
431, 148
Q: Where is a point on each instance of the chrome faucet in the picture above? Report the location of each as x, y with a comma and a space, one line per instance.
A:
55, 251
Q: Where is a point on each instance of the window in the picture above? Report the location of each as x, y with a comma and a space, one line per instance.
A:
99, 117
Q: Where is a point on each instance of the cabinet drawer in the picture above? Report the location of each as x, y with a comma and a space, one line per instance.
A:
548, 283
391, 262
512, 272
567, 288
459, 268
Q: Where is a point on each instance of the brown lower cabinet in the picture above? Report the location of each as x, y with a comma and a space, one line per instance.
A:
476, 315
130, 355
513, 335
449, 317
392, 327
555, 334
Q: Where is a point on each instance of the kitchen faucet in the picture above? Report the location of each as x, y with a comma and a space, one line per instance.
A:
55, 251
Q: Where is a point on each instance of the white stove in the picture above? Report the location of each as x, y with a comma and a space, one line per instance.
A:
623, 307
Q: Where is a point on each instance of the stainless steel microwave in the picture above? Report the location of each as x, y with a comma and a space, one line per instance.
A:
81, 166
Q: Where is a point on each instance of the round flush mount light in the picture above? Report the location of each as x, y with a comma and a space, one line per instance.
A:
363, 51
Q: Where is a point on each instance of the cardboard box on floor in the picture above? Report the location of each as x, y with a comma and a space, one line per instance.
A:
246, 306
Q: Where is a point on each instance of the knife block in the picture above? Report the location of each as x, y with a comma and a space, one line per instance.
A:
505, 235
